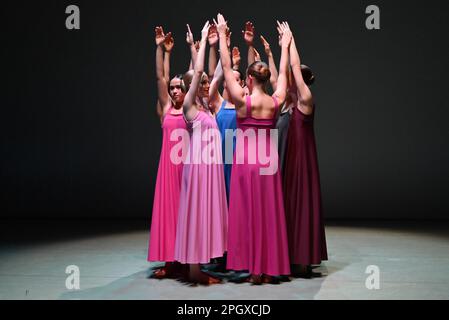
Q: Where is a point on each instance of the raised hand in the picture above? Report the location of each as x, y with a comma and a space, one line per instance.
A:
256, 55
221, 24
236, 56
160, 37
248, 33
280, 33
213, 35
169, 42
266, 45
189, 36
286, 34
205, 31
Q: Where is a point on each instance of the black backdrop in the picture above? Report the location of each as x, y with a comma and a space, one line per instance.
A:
80, 136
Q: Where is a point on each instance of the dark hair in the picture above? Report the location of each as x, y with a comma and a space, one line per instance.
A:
307, 75
240, 74
260, 71
187, 79
180, 76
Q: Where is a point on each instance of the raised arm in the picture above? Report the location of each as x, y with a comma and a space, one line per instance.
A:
305, 100
191, 43
248, 36
281, 90
189, 100
236, 58
162, 88
271, 63
213, 41
215, 98
235, 90
168, 46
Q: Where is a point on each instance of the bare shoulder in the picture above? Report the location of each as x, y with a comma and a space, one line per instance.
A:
305, 108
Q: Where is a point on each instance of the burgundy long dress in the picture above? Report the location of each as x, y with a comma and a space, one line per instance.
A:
302, 193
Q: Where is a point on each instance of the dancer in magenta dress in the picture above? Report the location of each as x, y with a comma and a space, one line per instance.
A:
257, 230
168, 182
203, 214
306, 234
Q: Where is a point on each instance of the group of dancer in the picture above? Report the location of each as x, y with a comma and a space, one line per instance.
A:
270, 226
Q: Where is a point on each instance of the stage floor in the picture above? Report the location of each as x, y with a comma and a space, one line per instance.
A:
412, 257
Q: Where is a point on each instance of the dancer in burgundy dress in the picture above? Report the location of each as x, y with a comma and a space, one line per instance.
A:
303, 209
168, 182
257, 231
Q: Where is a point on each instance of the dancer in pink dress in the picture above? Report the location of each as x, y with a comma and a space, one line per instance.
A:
168, 182
202, 217
257, 230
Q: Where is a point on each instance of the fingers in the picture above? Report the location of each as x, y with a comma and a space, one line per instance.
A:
188, 28
280, 28
215, 22
220, 18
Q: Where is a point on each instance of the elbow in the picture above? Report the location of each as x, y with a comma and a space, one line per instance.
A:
199, 70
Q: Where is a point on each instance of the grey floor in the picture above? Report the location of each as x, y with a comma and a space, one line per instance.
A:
412, 258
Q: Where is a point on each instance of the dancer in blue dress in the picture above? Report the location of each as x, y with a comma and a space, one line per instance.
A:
226, 120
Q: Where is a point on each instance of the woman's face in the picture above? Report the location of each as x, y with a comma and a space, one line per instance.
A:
176, 91
203, 89
237, 78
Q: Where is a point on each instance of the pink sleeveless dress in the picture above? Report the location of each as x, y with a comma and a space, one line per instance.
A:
166, 195
257, 230
203, 213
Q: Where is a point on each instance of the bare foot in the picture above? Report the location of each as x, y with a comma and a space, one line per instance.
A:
255, 279
203, 278
270, 279
170, 270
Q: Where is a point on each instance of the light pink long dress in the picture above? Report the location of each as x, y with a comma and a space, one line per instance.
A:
166, 195
203, 214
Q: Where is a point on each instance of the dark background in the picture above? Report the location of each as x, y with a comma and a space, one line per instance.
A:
80, 136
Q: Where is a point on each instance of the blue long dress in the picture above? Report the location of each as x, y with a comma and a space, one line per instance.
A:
226, 119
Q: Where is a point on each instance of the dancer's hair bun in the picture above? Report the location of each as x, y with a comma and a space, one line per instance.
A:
260, 71
307, 75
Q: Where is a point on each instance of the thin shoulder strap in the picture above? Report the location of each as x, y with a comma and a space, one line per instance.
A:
248, 105
276, 105
223, 104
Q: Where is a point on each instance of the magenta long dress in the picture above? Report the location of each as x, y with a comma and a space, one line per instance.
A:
257, 230
203, 213
166, 195
306, 236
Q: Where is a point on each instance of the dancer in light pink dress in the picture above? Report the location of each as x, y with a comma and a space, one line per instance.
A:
257, 229
202, 217
168, 182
